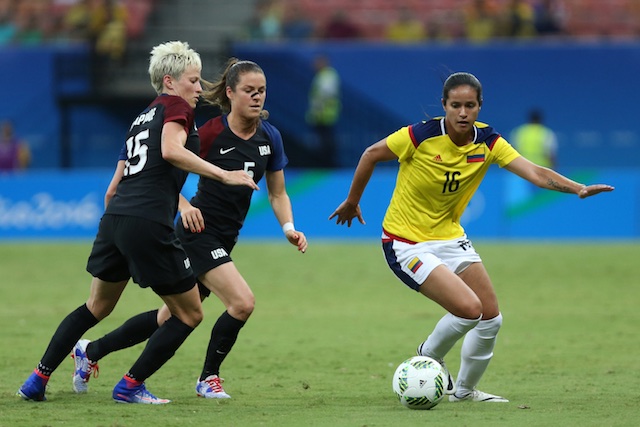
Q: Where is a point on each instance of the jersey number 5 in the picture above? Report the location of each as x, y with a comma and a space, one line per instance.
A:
247, 168
136, 153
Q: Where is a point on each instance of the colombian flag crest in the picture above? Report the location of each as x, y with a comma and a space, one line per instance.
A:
415, 264
475, 158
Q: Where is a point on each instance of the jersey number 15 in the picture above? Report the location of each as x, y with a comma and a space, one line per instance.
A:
136, 153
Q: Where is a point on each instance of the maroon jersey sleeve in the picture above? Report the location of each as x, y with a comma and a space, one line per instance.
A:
178, 110
208, 133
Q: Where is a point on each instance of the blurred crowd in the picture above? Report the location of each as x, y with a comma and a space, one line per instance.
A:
104, 24
423, 21
108, 24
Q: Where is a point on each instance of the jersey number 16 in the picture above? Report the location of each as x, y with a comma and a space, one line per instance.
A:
451, 183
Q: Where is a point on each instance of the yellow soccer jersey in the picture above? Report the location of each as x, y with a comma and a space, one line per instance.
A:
437, 179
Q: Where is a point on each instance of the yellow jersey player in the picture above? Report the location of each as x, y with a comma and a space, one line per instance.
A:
442, 162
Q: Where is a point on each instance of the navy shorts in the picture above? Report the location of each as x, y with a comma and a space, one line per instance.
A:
206, 251
146, 251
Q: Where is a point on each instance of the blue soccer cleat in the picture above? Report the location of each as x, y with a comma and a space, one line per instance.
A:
130, 391
34, 387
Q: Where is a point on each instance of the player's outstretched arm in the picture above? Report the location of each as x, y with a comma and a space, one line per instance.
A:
350, 208
552, 180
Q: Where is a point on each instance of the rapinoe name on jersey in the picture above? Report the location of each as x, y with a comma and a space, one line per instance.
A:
144, 118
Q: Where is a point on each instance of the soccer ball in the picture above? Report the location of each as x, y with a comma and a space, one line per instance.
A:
419, 382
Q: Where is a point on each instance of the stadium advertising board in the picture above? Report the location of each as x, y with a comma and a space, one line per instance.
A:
60, 205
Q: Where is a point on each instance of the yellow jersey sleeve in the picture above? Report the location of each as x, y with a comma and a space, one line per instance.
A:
401, 144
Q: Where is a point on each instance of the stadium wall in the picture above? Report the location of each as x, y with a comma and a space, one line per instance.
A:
583, 88
61, 205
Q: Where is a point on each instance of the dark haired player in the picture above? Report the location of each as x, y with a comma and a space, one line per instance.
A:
136, 237
239, 139
442, 163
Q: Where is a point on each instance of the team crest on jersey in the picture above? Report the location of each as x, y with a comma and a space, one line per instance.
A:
475, 158
264, 150
415, 264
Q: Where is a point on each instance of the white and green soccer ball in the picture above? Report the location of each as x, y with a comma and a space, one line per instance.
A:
419, 382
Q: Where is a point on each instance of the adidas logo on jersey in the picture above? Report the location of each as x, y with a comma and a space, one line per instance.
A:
437, 158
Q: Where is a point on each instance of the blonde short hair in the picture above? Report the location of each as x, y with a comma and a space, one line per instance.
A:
171, 58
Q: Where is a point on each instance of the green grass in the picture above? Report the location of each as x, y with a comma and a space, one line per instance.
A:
328, 331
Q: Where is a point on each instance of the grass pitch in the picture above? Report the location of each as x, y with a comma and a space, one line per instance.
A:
329, 328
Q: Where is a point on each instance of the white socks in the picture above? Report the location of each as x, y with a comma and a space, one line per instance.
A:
446, 333
476, 353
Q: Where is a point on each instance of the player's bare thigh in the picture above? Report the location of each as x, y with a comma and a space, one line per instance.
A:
185, 306
104, 296
452, 293
477, 278
226, 282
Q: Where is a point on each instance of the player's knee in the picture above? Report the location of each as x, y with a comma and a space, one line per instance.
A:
163, 314
470, 309
195, 319
192, 317
243, 307
100, 308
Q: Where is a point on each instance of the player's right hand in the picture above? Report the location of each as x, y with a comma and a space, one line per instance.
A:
346, 212
239, 177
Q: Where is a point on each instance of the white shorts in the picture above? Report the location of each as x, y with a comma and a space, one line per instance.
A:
413, 262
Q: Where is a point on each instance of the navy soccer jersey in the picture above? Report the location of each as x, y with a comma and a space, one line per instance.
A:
150, 185
225, 207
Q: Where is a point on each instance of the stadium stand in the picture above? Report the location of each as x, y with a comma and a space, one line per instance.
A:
211, 25
579, 18
583, 18
139, 11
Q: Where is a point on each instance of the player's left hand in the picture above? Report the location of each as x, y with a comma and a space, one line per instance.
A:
192, 219
592, 190
298, 239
